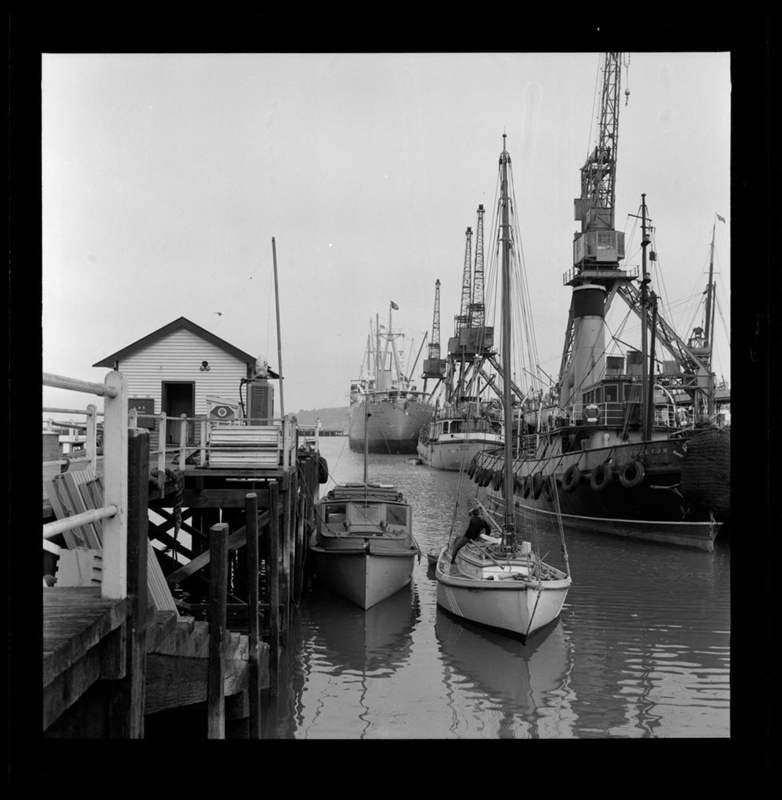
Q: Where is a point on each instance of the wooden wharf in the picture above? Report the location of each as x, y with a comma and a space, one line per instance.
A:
165, 622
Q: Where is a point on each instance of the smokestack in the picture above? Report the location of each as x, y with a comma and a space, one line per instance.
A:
588, 362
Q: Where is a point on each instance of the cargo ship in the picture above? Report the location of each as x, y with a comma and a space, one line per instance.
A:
387, 410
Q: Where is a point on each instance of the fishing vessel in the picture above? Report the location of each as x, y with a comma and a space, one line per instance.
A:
363, 544
469, 419
386, 409
501, 581
632, 435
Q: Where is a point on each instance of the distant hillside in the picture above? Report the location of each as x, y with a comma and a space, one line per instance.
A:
330, 418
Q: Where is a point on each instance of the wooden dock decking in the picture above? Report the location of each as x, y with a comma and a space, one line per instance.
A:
110, 661
83, 642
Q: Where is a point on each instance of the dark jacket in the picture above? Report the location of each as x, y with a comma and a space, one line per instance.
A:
476, 527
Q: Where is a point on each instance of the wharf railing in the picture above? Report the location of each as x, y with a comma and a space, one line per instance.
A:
89, 440
187, 449
113, 513
199, 449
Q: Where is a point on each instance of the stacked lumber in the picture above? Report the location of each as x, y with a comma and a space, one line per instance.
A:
241, 446
79, 562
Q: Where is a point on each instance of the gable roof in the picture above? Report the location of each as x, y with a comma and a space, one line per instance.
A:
182, 322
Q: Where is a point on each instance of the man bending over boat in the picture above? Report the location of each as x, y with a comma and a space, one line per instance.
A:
476, 528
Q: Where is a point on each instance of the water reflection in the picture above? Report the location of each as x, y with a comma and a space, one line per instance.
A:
521, 691
641, 650
343, 637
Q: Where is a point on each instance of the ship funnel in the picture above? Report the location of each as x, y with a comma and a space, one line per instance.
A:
588, 361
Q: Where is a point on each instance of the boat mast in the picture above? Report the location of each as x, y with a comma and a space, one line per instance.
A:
366, 441
710, 326
645, 367
379, 385
505, 237
279, 338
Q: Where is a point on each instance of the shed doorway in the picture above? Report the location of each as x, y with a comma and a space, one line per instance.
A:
177, 398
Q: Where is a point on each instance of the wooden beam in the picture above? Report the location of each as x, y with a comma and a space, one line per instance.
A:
126, 700
218, 588
254, 628
235, 540
274, 583
220, 498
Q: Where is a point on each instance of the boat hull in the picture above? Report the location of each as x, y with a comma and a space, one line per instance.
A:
453, 453
655, 509
389, 426
516, 607
364, 578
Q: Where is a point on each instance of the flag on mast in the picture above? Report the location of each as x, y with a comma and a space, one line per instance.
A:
721, 219
396, 307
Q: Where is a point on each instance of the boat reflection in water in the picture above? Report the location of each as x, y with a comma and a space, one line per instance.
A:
521, 690
342, 653
343, 637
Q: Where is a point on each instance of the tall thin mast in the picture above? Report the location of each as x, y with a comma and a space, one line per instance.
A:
279, 339
645, 398
505, 236
710, 326
366, 440
379, 385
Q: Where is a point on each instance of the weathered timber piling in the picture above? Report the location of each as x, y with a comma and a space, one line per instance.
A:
218, 597
254, 689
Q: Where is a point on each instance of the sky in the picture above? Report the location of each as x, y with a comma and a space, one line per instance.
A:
165, 178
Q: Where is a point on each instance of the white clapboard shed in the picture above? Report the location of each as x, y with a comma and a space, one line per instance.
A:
183, 368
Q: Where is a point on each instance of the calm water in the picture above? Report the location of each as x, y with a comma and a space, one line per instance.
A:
642, 649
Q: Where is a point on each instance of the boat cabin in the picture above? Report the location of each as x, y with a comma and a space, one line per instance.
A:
459, 426
362, 517
375, 510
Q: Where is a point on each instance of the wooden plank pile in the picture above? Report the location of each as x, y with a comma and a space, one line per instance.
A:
239, 446
80, 562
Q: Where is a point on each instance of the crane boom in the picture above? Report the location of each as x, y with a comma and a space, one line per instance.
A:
434, 366
464, 312
477, 309
595, 207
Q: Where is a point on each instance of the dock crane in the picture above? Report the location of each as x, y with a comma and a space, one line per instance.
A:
434, 365
598, 248
477, 308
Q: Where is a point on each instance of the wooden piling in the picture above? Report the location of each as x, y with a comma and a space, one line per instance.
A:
285, 560
218, 600
274, 588
253, 600
126, 705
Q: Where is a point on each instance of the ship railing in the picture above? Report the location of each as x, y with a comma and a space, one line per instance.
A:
113, 512
615, 414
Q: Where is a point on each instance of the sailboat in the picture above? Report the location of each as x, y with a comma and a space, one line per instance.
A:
363, 542
386, 408
469, 419
628, 433
502, 583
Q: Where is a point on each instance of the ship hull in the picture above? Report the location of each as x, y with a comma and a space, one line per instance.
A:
389, 426
454, 452
364, 578
660, 507
516, 607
